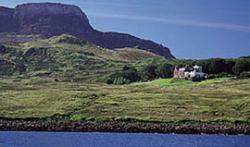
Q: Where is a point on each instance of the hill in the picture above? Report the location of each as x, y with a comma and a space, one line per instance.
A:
52, 19
66, 57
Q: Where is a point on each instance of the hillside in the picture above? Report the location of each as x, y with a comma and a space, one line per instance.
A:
66, 57
52, 19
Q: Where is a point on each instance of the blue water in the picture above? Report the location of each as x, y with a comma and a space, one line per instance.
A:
51, 139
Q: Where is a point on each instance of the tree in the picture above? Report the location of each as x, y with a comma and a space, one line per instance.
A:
216, 66
165, 70
149, 72
125, 76
241, 65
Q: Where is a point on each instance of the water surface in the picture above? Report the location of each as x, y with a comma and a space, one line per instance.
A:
52, 139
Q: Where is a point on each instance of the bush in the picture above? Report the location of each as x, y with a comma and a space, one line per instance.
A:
217, 66
165, 70
220, 75
149, 72
120, 80
126, 76
155, 71
7, 67
244, 75
241, 65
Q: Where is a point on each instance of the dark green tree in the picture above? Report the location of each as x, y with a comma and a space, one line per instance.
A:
165, 70
125, 76
149, 72
241, 65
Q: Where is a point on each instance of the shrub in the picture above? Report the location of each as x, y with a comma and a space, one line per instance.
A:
149, 72
217, 66
125, 76
7, 67
241, 65
244, 75
165, 70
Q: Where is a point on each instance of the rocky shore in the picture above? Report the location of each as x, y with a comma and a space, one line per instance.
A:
116, 126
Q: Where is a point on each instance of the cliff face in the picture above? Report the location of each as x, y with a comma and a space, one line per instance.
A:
51, 19
7, 23
113, 40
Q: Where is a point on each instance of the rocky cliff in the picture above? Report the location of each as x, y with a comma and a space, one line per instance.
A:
51, 19
7, 23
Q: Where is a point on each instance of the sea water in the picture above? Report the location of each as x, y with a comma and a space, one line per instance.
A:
66, 139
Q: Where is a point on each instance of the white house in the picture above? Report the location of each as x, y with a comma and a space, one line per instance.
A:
190, 73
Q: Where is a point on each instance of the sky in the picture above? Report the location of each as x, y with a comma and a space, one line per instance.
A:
192, 29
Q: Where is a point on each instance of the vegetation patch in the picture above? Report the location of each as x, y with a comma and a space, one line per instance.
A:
160, 100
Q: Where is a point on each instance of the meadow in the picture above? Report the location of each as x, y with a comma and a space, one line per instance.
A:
162, 100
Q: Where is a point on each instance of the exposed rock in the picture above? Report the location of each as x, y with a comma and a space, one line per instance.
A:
7, 23
114, 40
119, 126
52, 19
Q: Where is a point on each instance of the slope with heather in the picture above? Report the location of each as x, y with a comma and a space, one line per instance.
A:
66, 57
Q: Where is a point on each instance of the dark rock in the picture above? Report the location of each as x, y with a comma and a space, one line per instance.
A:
52, 19
113, 126
7, 23
114, 40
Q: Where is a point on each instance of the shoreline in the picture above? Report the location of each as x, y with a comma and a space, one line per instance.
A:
124, 127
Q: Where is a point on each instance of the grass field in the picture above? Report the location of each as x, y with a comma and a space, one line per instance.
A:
162, 100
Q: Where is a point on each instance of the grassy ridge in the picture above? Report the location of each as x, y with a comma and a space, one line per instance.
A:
161, 100
69, 59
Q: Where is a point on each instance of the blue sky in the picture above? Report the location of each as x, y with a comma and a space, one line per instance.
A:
190, 28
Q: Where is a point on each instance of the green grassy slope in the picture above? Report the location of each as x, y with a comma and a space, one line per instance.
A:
161, 100
68, 58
